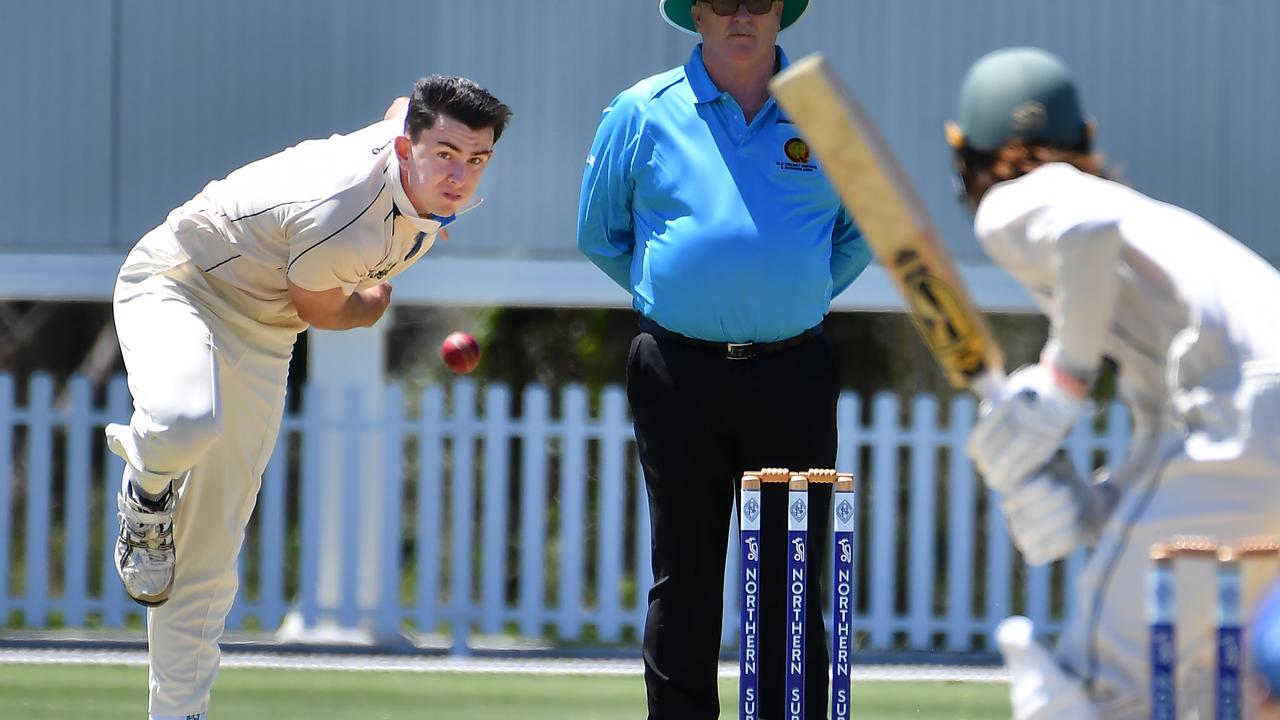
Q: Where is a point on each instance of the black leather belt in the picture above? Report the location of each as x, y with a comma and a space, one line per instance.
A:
732, 351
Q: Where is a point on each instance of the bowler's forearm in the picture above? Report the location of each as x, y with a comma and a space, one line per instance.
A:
357, 311
331, 310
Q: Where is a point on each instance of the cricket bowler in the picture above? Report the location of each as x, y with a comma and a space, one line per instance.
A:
207, 308
1187, 315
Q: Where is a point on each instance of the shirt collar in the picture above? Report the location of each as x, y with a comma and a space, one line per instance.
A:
429, 224
704, 88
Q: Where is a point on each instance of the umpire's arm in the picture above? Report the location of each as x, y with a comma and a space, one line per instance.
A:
606, 232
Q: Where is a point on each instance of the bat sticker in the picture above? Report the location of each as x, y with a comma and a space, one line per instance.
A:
940, 316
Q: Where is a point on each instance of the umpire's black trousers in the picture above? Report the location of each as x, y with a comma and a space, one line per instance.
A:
701, 419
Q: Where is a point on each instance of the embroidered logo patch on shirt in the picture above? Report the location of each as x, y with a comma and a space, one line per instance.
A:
382, 272
797, 152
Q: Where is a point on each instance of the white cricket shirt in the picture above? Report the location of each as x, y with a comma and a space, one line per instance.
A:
323, 214
1178, 303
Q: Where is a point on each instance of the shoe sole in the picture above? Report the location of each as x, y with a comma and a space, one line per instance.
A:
149, 602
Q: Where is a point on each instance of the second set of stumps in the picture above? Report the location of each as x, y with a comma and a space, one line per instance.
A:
843, 510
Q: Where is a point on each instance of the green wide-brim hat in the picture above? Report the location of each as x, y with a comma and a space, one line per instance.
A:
679, 13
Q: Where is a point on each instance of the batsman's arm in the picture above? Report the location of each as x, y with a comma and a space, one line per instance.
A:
1087, 298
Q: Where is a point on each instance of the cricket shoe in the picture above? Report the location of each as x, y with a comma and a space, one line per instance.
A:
144, 550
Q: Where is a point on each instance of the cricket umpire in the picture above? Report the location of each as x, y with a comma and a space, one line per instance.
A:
700, 199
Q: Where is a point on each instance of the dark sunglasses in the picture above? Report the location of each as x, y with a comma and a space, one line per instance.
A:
725, 8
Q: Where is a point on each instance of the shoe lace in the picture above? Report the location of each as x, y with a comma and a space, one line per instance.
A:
150, 532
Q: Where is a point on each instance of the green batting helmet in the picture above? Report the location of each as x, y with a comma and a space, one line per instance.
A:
1018, 93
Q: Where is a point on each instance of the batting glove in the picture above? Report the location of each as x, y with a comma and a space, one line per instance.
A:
1021, 427
1051, 513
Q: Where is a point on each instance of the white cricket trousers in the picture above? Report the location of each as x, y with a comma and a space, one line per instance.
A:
208, 385
1227, 487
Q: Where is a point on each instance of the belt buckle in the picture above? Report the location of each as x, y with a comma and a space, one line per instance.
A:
737, 351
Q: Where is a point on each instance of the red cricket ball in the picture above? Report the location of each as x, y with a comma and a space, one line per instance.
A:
461, 352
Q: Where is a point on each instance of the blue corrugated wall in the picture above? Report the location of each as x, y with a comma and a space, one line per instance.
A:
117, 110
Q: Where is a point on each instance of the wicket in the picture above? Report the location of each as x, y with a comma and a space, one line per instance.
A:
1161, 612
843, 507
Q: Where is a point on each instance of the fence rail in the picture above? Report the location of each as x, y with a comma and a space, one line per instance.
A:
463, 509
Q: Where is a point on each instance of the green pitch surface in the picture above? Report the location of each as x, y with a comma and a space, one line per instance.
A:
36, 692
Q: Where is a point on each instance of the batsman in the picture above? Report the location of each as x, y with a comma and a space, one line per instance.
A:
1186, 313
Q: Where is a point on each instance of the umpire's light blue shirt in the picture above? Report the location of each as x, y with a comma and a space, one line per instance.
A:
721, 230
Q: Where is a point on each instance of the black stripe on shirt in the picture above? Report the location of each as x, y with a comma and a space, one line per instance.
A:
273, 207
224, 262
335, 232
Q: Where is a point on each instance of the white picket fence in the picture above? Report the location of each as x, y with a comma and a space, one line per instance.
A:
488, 520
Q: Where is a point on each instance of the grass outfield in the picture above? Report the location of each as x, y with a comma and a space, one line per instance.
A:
37, 692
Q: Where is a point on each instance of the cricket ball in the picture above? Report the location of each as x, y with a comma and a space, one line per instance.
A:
461, 352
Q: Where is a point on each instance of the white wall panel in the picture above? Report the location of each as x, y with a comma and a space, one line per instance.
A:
56, 126
119, 110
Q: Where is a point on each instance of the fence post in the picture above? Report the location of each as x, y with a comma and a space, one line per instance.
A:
999, 567
573, 470
387, 610
113, 595
849, 428
732, 589
884, 438
960, 527
848, 456
350, 366
497, 404
463, 495
614, 431
533, 504
923, 498
354, 519
429, 539
7, 412
311, 500
39, 477
75, 517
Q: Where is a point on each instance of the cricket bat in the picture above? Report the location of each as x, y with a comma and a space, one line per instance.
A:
893, 220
